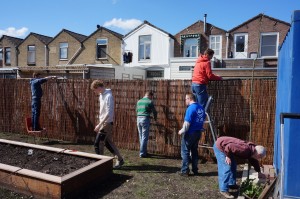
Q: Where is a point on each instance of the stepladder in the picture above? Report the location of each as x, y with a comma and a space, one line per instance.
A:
209, 122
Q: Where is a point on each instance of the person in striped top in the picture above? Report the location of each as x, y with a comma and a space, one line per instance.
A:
144, 108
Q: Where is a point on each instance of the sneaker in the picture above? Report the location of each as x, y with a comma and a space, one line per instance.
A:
226, 194
119, 164
196, 173
183, 174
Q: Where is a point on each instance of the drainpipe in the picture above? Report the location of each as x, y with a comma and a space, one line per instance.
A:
17, 52
204, 26
227, 43
45, 55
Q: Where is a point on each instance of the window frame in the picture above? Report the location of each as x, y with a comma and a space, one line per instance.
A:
145, 45
190, 47
7, 56
100, 47
63, 49
1, 56
31, 53
276, 46
218, 56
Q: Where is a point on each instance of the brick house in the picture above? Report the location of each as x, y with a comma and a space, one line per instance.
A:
103, 46
258, 37
33, 51
65, 47
8, 56
251, 45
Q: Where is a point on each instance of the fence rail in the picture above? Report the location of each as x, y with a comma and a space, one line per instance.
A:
241, 108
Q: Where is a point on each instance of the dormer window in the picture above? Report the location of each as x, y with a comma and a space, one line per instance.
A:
190, 48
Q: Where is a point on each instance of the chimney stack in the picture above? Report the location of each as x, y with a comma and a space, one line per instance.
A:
204, 26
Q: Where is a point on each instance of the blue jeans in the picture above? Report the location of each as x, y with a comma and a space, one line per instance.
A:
199, 90
226, 173
143, 125
189, 144
35, 111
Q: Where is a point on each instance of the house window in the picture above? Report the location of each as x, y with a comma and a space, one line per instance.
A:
190, 48
269, 44
145, 47
7, 56
63, 50
101, 48
215, 43
155, 74
31, 54
1, 56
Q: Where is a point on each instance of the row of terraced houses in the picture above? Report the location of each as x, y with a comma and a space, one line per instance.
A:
147, 52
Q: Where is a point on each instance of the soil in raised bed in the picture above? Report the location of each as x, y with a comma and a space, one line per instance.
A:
44, 161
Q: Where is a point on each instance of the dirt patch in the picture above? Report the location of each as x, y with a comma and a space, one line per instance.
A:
52, 163
153, 177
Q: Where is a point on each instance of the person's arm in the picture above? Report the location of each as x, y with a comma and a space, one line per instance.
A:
209, 73
109, 105
154, 111
51, 77
185, 128
256, 165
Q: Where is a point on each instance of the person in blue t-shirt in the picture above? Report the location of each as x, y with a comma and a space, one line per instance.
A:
36, 94
190, 134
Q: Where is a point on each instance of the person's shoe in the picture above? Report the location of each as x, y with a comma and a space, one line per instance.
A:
143, 156
119, 164
234, 187
183, 174
226, 194
196, 173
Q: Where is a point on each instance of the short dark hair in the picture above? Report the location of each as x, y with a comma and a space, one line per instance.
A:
209, 52
149, 93
191, 96
36, 74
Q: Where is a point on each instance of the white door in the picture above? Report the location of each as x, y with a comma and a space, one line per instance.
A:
240, 45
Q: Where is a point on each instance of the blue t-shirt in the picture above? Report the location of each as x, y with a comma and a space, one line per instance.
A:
195, 115
36, 88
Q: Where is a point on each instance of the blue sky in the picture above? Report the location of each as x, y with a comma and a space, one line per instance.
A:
20, 17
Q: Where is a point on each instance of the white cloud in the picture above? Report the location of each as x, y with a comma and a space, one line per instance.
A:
11, 31
125, 24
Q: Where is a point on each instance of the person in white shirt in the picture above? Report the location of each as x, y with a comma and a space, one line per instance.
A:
105, 126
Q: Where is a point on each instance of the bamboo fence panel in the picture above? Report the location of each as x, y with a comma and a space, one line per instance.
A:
241, 108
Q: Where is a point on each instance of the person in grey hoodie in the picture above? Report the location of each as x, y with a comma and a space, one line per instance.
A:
105, 126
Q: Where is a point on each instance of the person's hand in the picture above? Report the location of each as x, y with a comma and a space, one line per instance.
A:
228, 160
180, 132
97, 128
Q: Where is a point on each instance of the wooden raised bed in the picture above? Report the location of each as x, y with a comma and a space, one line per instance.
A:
43, 185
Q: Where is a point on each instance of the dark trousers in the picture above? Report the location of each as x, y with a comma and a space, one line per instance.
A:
35, 111
101, 138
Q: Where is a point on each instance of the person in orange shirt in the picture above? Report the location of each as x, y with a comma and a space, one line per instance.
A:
201, 76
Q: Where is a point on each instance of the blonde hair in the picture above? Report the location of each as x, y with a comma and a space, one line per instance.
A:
96, 84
